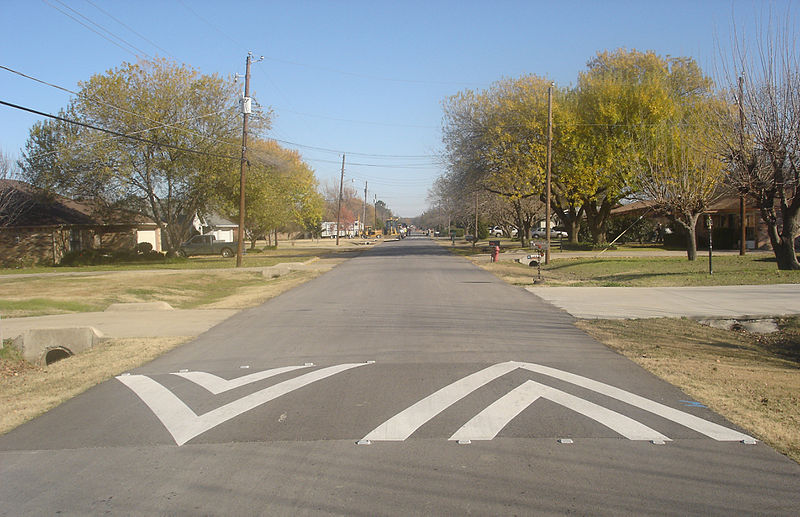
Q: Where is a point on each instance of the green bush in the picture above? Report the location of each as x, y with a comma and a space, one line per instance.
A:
103, 256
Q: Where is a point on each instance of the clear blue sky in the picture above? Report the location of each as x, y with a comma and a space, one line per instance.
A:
363, 78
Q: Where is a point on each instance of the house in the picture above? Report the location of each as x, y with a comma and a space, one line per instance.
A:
348, 230
725, 216
40, 227
214, 224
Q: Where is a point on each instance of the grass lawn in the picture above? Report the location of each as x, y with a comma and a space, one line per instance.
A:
752, 380
289, 251
197, 282
753, 269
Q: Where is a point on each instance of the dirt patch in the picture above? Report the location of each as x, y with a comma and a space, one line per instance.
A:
752, 380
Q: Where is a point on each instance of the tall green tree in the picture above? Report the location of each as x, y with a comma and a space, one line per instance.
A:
281, 192
495, 141
622, 98
186, 126
681, 174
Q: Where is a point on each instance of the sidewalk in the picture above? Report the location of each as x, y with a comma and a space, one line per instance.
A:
125, 323
738, 301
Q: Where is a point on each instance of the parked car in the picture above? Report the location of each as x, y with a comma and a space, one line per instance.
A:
497, 231
539, 233
207, 245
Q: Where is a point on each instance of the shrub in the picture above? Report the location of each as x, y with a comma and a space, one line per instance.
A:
144, 247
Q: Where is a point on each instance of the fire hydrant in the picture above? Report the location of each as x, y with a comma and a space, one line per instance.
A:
495, 253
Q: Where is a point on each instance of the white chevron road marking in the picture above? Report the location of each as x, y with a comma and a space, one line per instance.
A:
183, 424
217, 385
710, 429
486, 424
403, 424
491, 420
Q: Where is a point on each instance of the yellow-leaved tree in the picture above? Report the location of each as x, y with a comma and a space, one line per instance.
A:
181, 130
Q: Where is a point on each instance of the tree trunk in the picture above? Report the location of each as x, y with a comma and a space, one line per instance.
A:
596, 217
573, 229
782, 247
569, 215
691, 244
690, 225
786, 256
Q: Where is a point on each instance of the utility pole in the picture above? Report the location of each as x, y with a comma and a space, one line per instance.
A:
475, 237
742, 207
364, 220
246, 108
549, 163
375, 215
339, 210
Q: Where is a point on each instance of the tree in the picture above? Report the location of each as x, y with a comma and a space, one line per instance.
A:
761, 140
281, 192
495, 141
12, 205
187, 125
680, 174
621, 98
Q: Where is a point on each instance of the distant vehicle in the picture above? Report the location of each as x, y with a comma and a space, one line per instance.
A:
497, 231
540, 233
207, 245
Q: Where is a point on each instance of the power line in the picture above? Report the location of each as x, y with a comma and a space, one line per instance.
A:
373, 123
95, 31
111, 132
313, 148
230, 38
128, 27
385, 166
123, 110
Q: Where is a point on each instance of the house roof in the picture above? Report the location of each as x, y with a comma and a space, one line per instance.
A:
218, 221
723, 204
29, 206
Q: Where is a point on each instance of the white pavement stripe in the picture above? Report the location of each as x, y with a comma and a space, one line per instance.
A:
710, 429
403, 424
183, 424
217, 385
486, 424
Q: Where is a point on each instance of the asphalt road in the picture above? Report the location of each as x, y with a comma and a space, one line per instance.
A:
405, 381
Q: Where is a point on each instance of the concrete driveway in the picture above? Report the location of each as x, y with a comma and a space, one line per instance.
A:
739, 301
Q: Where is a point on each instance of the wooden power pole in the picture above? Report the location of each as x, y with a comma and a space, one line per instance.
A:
742, 204
549, 163
339, 209
246, 108
364, 219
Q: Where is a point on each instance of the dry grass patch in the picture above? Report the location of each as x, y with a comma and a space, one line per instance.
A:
27, 391
752, 380
251, 296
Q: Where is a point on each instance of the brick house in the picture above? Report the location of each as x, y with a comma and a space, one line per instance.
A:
40, 227
725, 217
